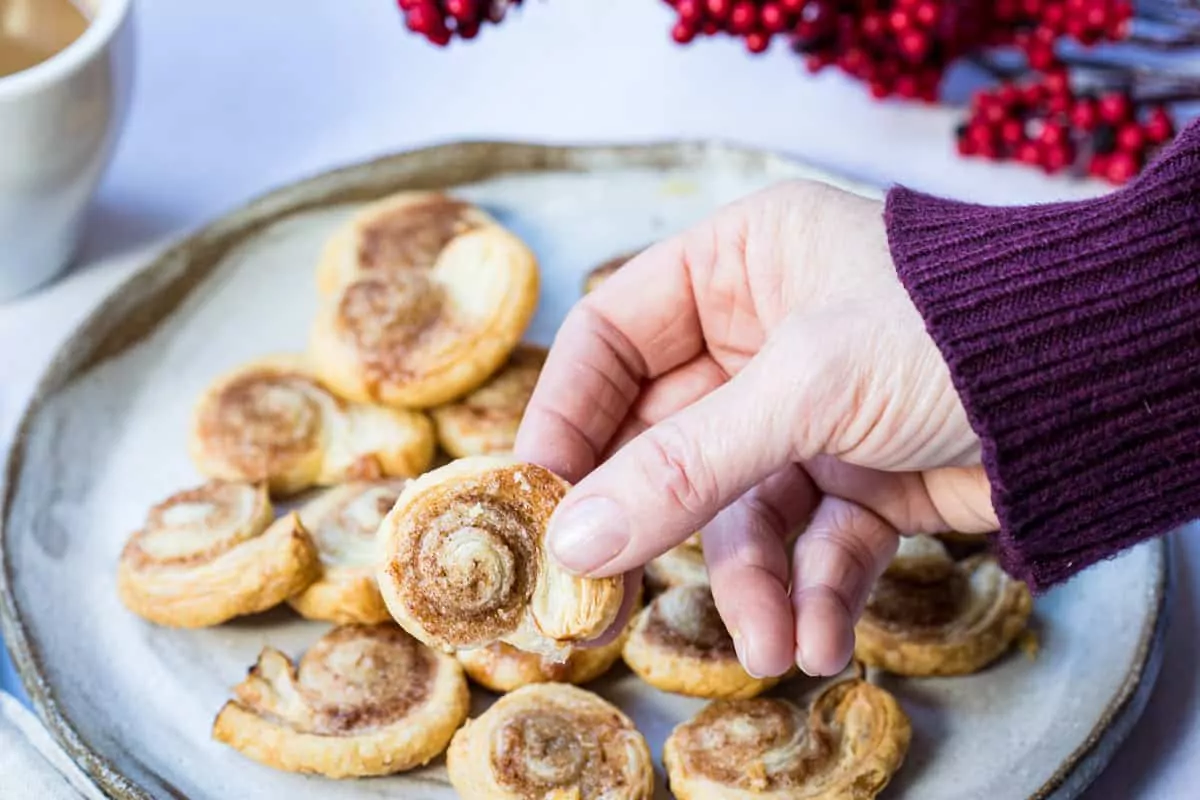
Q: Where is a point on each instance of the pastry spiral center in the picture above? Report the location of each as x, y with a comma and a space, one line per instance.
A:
909, 604
474, 571
385, 314
480, 568
270, 418
686, 619
540, 750
361, 677
758, 744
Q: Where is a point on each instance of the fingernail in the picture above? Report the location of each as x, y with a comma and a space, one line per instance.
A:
588, 534
800, 662
743, 650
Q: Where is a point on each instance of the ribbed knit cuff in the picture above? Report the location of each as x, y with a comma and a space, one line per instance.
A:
1072, 332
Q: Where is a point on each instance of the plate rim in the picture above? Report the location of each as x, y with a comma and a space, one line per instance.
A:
167, 272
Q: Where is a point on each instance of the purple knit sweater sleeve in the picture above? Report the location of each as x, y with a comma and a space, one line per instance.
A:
1072, 332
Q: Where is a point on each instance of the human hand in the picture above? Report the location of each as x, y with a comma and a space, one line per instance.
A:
762, 372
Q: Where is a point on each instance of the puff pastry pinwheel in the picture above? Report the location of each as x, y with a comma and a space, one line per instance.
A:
365, 700
423, 309
846, 747
597, 275
550, 740
273, 421
342, 522
212, 553
679, 644
931, 615
486, 420
463, 562
682, 565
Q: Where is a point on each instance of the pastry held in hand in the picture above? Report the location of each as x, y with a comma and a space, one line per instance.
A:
366, 700
931, 615
550, 740
342, 522
464, 562
273, 421
846, 747
212, 553
486, 420
409, 330
679, 644
503, 668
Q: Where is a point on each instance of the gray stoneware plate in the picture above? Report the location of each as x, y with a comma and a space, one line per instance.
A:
104, 438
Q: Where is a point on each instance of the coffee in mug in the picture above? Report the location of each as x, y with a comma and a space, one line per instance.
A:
32, 31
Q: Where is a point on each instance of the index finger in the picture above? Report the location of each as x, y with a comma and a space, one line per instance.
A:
639, 324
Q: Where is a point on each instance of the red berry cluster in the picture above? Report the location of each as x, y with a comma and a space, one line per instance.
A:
897, 47
1036, 25
758, 21
1045, 123
440, 20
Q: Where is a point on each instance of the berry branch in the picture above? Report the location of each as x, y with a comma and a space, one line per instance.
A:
1060, 112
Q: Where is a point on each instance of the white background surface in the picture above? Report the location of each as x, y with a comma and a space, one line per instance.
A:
234, 98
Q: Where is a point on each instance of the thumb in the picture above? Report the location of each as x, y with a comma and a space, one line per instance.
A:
674, 477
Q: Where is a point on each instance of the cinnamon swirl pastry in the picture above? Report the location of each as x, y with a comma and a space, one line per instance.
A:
273, 421
847, 747
366, 700
212, 553
464, 565
550, 740
428, 298
602, 272
682, 565
931, 615
486, 420
679, 644
343, 522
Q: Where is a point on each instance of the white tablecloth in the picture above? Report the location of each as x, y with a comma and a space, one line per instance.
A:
234, 98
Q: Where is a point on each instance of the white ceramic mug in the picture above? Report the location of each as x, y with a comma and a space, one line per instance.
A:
59, 121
